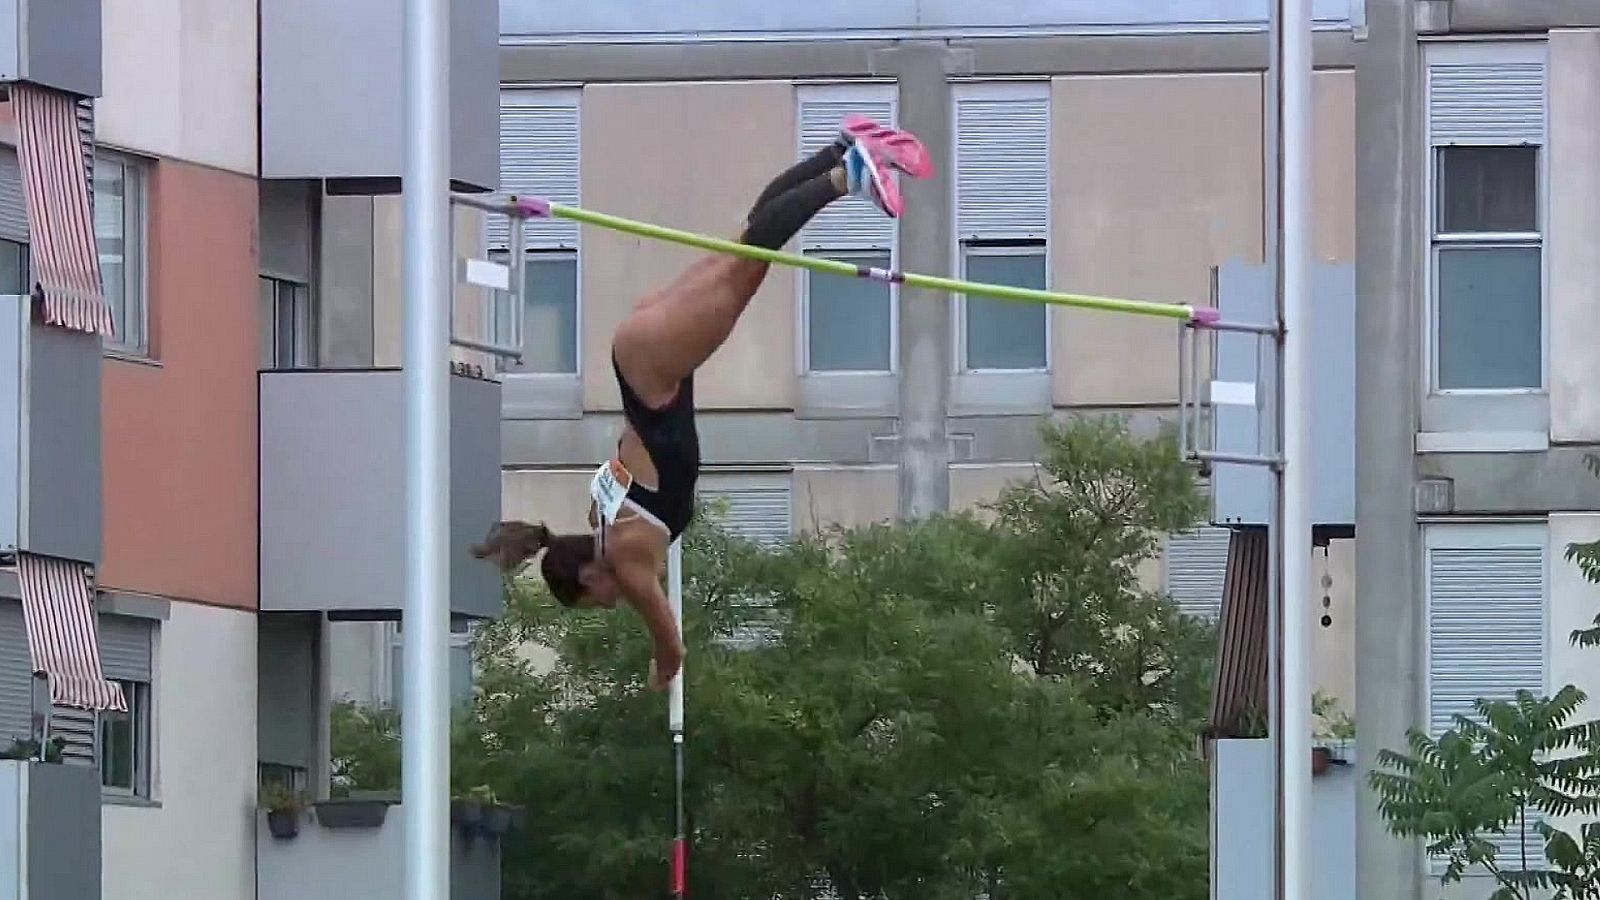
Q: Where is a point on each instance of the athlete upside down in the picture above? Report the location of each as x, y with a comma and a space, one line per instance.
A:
643, 498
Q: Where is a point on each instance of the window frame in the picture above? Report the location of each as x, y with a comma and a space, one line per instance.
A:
312, 339
140, 698
1511, 420
968, 249
502, 364
135, 261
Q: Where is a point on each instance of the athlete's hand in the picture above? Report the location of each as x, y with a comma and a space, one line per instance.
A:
665, 664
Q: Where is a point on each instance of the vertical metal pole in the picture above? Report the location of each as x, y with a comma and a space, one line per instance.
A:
680, 839
1293, 75
425, 746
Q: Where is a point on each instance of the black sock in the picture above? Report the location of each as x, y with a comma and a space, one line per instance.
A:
773, 223
806, 169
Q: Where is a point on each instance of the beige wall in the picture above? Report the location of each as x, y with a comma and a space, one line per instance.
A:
1156, 179
180, 80
1574, 229
558, 498
687, 179
846, 496
1334, 647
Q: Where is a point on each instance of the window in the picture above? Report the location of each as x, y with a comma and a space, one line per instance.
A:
13, 267
849, 323
549, 314
124, 745
1488, 297
288, 325
1002, 183
1485, 591
119, 223
999, 334
539, 155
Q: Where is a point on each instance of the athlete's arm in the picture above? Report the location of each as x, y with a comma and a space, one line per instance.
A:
637, 575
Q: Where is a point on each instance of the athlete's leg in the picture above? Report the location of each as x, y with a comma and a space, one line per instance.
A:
671, 334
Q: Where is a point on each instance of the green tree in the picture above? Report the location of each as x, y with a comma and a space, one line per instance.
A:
922, 714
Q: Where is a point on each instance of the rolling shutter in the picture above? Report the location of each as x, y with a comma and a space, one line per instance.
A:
1197, 565
539, 155
1486, 103
13, 207
78, 729
16, 676
125, 647
851, 223
1486, 627
1002, 167
756, 513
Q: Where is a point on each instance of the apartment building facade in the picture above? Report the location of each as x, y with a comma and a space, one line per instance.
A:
1478, 123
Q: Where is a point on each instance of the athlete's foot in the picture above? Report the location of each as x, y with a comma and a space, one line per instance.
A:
868, 176
902, 149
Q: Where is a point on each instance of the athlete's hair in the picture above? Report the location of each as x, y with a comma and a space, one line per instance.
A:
510, 544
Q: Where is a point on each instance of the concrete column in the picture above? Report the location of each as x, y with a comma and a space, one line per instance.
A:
926, 235
1574, 231
344, 282
1389, 645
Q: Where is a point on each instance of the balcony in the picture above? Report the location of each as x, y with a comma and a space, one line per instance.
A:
363, 859
49, 831
332, 458
307, 45
1242, 495
53, 43
50, 445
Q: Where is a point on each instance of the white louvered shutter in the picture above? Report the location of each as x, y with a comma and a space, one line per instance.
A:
539, 156
16, 676
1002, 167
850, 223
757, 513
1486, 625
1486, 103
1197, 565
13, 207
78, 730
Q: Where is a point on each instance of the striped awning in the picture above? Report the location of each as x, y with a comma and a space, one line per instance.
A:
64, 260
58, 610
1242, 640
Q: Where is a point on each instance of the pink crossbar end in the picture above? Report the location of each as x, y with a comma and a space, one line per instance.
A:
532, 207
1206, 316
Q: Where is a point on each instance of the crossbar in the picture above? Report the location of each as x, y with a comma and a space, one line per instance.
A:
535, 207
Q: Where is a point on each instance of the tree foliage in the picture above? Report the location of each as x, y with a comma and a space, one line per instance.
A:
956, 707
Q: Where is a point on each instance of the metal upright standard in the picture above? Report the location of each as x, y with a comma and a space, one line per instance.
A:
425, 747
680, 838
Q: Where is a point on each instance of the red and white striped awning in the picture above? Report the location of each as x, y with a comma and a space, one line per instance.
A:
63, 637
62, 253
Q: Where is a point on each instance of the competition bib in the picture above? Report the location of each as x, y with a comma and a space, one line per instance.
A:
609, 488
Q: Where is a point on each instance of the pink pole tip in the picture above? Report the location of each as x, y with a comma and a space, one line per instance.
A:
532, 207
1206, 316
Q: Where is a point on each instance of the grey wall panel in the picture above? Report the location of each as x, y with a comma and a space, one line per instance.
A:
1243, 494
63, 513
286, 723
332, 491
363, 862
286, 231
63, 45
13, 332
63, 831
735, 17
307, 45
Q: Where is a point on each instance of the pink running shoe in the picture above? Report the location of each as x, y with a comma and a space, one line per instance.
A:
867, 169
902, 149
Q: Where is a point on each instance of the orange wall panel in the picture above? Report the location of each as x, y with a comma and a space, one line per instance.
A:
179, 438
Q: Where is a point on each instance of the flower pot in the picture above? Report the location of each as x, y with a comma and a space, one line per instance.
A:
467, 814
283, 823
352, 813
1321, 759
